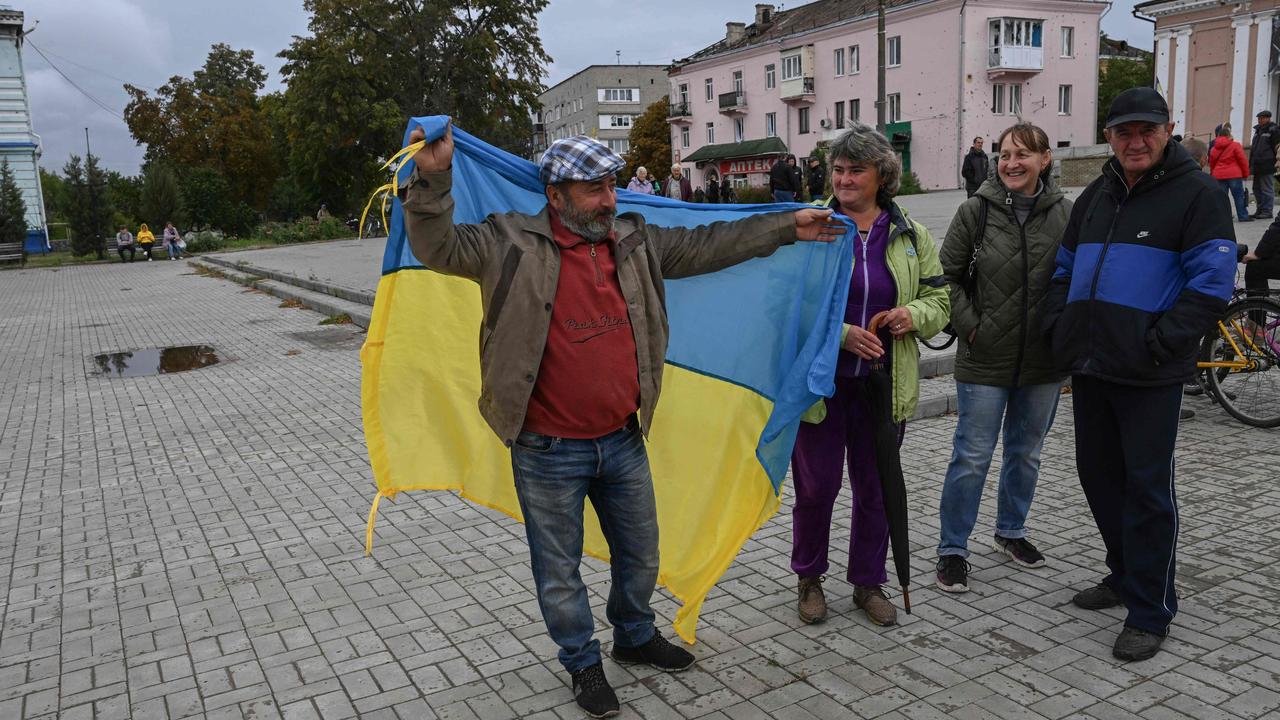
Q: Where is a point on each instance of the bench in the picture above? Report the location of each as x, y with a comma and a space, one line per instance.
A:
13, 252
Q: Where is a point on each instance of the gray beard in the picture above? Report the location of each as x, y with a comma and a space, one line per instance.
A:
590, 227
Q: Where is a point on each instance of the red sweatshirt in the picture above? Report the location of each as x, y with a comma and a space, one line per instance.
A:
588, 383
1226, 161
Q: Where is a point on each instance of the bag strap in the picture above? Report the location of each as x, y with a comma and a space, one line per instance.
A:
972, 275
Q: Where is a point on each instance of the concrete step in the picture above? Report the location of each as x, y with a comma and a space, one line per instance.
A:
353, 295
321, 302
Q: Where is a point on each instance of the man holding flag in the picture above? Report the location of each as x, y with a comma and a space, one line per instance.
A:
573, 343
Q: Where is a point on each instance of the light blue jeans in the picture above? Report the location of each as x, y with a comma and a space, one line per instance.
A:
1025, 413
554, 477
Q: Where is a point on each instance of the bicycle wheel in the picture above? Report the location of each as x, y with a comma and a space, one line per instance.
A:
1248, 337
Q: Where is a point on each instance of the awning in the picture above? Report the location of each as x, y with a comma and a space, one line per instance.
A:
765, 146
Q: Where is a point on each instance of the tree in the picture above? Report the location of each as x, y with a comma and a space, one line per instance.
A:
125, 193
369, 64
54, 189
650, 142
88, 205
205, 195
13, 211
212, 120
161, 198
1119, 75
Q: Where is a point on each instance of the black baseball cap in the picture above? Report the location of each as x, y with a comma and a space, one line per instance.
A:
1140, 104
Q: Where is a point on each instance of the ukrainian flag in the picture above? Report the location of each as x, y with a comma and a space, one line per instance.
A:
751, 348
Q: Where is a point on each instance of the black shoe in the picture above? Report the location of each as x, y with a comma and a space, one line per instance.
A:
594, 694
1192, 388
1022, 552
1134, 644
1186, 414
1262, 216
1098, 597
657, 653
953, 574
1244, 219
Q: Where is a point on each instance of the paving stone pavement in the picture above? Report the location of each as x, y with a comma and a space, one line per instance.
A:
190, 545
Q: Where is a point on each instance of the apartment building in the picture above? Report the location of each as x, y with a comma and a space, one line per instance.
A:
1216, 61
792, 79
601, 101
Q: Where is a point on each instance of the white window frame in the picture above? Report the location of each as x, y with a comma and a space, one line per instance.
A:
739, 129
997, 99
802, 121
711, 133
682, 92
618, 95
1068, 39
684, 136
893, 51
855, 110
839, 61
1015, 99
855, 59
710, 88
737, 82
895, 107
839, 122
616, 122
770, 76
620, 146
771, 124
792, 63
1064, 99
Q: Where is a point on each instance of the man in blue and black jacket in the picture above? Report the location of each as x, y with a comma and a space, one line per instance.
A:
1146, 266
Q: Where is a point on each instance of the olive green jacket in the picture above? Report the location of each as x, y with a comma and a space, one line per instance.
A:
1014, 268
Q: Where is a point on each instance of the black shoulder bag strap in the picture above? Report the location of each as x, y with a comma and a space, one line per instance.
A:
971, 276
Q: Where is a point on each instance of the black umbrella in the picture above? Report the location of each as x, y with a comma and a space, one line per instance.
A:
893, 486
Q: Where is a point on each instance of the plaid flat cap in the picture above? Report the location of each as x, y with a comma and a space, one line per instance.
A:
577, 158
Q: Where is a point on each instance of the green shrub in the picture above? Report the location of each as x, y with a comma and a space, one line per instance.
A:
753, 195
910, 185
205, 241
304, 230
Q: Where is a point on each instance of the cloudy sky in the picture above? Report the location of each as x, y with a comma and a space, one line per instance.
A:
100, 44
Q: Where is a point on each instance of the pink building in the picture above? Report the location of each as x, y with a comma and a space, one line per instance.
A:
955, 70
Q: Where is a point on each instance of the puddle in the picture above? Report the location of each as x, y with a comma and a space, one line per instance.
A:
154, 361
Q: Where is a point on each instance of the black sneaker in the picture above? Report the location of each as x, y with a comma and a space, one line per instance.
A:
657, 653
1133, 644
594, 694
1098, 597
1186, 414
1022, 552
953, 574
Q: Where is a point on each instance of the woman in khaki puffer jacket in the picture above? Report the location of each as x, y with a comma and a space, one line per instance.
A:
1005, 377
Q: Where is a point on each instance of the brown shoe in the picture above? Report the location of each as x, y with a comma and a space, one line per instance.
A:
872, 599
813, 604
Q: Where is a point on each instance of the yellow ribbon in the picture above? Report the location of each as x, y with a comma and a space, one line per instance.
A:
373, 515
395, 163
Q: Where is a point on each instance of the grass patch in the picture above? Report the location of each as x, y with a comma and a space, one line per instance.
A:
343, 319
291, 303
58, 259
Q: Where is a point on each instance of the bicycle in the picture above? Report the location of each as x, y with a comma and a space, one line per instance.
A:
1237, 362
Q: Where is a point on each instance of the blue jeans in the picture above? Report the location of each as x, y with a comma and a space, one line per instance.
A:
1026, 414
173, 249
553, 478
1236, 188
783, 196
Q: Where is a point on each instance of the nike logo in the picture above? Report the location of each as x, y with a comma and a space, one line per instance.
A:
1142, 234
593, 336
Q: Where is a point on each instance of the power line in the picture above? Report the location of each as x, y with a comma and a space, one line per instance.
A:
84, 92
93, 70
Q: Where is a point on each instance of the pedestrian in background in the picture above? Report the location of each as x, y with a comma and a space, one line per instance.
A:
1262, 161
1229, 168
146, 240
124, 242
727, 195
780, 181
713, 190
817, 180
640, 183
677, 186
998, 259
974, 167
796, 176
1198, 150
172, 240
1125, 319
896, 271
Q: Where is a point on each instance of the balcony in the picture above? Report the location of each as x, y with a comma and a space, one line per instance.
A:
679, 113
1013, 59
733, 103
797, 91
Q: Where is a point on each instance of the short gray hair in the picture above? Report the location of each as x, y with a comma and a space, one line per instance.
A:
862, 144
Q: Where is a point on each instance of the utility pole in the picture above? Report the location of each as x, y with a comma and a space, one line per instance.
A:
86, 144
880, 102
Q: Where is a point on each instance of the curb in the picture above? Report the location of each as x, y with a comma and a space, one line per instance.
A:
356, 296
323, 303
